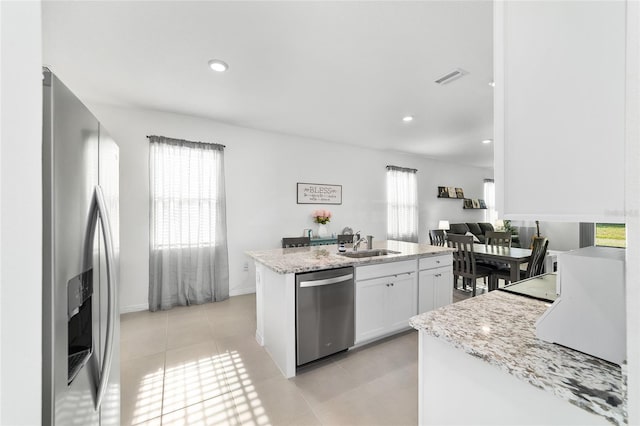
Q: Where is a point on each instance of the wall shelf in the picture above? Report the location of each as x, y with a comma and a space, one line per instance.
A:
450, 192
474, 204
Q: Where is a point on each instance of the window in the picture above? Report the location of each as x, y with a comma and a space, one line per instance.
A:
402, 204
490, 214
184, 194
611, 235
188, 259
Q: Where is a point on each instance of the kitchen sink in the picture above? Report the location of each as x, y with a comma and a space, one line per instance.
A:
369, 253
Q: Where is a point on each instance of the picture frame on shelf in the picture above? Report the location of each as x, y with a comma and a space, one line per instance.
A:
474, 203
450, 192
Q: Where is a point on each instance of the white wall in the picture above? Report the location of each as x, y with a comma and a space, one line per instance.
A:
20, 213
262, 170
632, 205
563, 236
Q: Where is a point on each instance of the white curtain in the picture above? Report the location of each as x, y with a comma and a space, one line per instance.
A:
188, 259
490, 214
402, 204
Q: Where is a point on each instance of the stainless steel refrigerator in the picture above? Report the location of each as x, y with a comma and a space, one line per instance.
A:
81, 327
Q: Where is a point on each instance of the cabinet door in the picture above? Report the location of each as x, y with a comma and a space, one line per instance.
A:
426, 290
443, 287
371, 319
560, 101
402, 301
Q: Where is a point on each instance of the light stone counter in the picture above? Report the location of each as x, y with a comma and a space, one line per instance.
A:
276, 271
304, 259
499, 328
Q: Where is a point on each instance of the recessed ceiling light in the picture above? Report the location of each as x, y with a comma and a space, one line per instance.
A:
407, 118
486, 141
218, 65
492, 83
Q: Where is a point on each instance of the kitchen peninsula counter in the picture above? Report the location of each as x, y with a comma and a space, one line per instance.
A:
392, 277
498, 330
314, 258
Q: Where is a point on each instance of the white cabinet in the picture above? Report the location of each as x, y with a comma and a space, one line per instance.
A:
435, 288
371, 298
402, 298
560, 110
386, 297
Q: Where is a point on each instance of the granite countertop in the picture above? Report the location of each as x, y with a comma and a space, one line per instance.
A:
499, 328
303, 259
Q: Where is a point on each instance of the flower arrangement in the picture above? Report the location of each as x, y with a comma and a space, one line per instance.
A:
321, 216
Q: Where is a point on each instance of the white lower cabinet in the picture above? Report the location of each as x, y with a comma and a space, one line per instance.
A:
371, 298
385, 304
402, 298
435, 282
436, 288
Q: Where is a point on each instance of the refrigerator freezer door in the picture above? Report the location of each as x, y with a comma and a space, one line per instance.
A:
70, 172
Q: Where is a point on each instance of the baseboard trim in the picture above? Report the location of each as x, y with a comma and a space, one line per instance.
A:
145, 306
241, 291
134, 308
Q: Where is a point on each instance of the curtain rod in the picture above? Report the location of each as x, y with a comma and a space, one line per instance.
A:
208, 143
404, 169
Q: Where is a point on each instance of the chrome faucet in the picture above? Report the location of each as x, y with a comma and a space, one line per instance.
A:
357, 242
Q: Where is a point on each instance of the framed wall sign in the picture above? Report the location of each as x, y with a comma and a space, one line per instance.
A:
318, 193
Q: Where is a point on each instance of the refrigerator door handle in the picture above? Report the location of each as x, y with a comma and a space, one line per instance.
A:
98, 211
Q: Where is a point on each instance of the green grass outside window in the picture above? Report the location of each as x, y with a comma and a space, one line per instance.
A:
611, 235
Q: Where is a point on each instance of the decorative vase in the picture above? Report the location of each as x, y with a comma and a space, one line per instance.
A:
323, 230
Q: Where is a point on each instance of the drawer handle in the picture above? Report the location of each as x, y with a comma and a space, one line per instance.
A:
438, 275
437, 261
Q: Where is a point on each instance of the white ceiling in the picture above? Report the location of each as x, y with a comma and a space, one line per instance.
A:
339, 71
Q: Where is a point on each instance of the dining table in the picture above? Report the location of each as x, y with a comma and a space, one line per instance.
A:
511, 256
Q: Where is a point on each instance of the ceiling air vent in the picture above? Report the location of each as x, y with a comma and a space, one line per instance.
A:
451, 76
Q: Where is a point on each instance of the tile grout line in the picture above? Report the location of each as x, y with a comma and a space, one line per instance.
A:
164, 367
162, 413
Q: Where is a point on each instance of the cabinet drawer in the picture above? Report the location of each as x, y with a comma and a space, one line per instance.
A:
435, 261
385, 269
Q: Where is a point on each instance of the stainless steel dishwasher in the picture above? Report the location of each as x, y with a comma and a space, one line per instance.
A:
324, 313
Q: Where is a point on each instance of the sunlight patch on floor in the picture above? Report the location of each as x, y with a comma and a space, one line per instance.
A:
198, 392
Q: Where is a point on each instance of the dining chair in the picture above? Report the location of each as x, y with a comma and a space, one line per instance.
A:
535, 265
437, 237
345, 239
495, 239
464, 262
296, 242
498, 238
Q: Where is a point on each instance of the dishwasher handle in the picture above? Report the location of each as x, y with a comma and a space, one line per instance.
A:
333, 280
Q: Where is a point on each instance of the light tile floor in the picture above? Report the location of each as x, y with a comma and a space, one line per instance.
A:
201, 365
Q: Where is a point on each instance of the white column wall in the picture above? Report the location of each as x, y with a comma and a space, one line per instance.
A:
20, 213
632, 210
262, 169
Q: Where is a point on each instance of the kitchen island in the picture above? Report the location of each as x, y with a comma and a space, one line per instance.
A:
389, 289
481, 363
